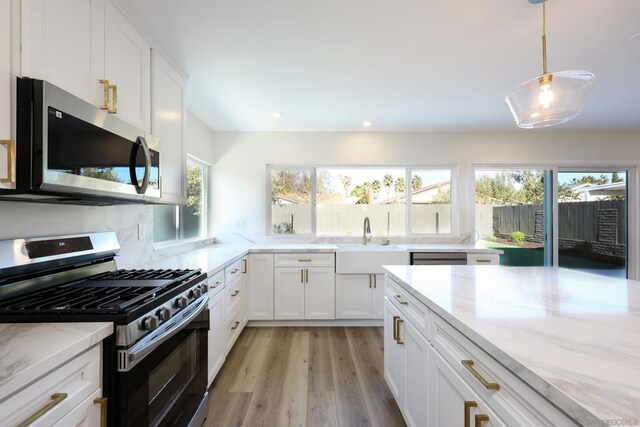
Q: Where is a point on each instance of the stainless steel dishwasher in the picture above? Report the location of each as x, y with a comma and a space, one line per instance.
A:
438, 258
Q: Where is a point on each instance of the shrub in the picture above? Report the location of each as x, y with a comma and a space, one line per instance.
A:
518, 236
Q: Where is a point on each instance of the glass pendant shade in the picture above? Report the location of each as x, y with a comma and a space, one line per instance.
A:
549, 99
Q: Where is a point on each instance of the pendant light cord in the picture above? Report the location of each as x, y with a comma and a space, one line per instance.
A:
544, 37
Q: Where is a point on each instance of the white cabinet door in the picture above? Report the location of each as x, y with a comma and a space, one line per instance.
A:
5, 91
168, 124
354, 296
377, 310
86, 414
393, 354
128, 66
319, 293
289, 293
261, 277
63, 43
216, 336
416, 362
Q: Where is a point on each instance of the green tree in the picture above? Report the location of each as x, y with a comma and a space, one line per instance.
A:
363, 193
105, 174
387, 181
416, 182
590, 179
194, 190
615, 177
295, 185
346, 183
499, 189
443, 196
400, 186
375, 187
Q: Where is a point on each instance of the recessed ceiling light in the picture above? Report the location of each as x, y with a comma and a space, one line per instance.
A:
367, 123
277, 115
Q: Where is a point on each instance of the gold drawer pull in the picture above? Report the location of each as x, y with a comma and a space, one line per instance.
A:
102, 401
235, 293
398, 340
11, 155
235, 270
114, 91
483, 260
235, 326
468, 404
244, 266
397, 297
56, 399
395, 328
469, 364
105, 102
304, 260
481, 418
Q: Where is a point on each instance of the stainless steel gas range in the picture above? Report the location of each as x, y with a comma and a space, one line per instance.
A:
155, 365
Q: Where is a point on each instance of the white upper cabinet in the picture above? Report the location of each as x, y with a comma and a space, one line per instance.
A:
63, 43
168, 124
5, 94
127, 67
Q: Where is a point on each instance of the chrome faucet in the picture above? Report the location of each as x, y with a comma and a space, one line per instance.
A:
366, 229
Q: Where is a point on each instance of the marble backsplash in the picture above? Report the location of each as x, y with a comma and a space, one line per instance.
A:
285, 239
18, 220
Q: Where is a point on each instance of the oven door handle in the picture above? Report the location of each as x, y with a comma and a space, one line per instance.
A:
146, 347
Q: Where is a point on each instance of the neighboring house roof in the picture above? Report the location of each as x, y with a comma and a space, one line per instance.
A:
422, 195
612, 189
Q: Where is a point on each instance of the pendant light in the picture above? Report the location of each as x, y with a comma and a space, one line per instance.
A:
551, 98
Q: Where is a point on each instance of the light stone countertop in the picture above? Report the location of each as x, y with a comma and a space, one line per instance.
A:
214, 257
30, 350
574, 337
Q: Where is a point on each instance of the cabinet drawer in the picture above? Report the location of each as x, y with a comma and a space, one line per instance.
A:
483, 259
305, 260
412, 309
232, 271
78, 378
233, 296
86, 414
513, 398
233, 329
216, 281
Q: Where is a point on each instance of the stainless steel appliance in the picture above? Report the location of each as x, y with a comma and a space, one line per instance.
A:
69, 151
155, 365
438, 258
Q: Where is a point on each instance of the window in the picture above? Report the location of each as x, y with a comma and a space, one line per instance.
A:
291, 194
334, 200
346, 196
431, 201
188, 221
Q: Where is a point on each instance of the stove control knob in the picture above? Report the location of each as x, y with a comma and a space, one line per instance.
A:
149, 323
195, 293
163, 314
180, 302
204, 288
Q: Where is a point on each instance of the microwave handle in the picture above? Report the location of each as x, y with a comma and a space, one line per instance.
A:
140, 142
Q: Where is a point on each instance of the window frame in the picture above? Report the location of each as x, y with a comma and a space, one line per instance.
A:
179, 225
409, 168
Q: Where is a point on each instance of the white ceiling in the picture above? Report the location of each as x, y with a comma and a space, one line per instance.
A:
406, 65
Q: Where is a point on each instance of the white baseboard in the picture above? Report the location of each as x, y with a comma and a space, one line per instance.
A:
316, 323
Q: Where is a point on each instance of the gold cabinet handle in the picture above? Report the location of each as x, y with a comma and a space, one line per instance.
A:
235, 326
483, 260
304, 260
235, 270
397, 297
468, 404
105, 101
469, 364
306, 276
395, 328
114, 100
102, 401
370, 282
244, 266
56, 399
235, 293
375, 281
481, 418
11, 155
398, 340
301, 275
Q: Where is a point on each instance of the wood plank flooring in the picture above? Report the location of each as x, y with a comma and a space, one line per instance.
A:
314, 377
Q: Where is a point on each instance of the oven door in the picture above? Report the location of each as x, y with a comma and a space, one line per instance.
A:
168, 386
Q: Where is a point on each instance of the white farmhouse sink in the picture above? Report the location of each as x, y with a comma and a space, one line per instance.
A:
368, 259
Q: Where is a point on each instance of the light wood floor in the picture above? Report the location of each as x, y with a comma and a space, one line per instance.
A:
304, 377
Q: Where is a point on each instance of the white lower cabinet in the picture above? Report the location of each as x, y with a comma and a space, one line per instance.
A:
319, 293
416, 363
86, 414
359, 296
289, 293
393, 354
216, 336
260, 283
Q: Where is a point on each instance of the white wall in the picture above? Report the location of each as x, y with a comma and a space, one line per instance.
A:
239, 181
200, 144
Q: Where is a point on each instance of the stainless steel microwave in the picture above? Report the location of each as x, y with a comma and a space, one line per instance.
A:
70, 151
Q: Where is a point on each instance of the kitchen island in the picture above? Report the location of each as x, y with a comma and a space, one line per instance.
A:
552, 346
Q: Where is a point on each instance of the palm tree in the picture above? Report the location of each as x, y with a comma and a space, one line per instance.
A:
416, 182
387, 181
400, 186
346, 182
375, 186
